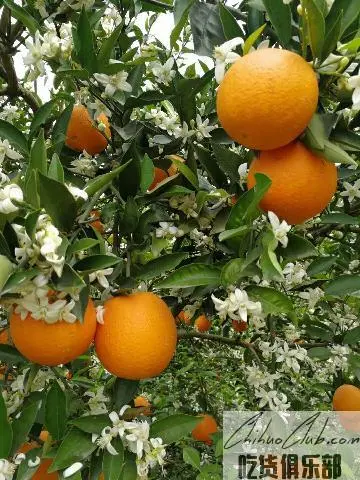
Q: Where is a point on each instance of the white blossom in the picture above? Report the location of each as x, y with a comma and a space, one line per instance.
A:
352, 191
34, 57
114, 83
167, 229
10, 113
280, 229
6, 151
290, 357
237, 306
77, 192
84, 165
100, 276
183, 132
294, 274
224, 55
104, 440
243, 173
163, 73
41, 7
7, 469
8, 195
99, 107
275, 400
203, 128
75, 467
257, 377
354, 82
138, 436
110, 20
312, 295
97, 401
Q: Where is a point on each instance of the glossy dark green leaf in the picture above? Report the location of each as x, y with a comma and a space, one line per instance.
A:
317, 332
315, 135
315, 26
130, 218
147, 173
343, 285
17, 278
236, 269
272, 301
76, 447
352, 336
101, 181
10, 356
191, 456
298, 247
340, 218
60, 128
174, 428
41, 116
124, 391
206, 28
252, 39
280, 17
22, 425
349, 141
96, 262
86, 43
32, 189
82, 244
207, 161
320, 265
58, 202
92, 423
113, 464
130, 470
107, 47
15, 137
335, 154
160, 265
38, 158
332, 36
230, 26
320, 353
6, 436
55, 411
23, 15
56, 171
188, 174
181, 15
191, 276
350, 10
228, 161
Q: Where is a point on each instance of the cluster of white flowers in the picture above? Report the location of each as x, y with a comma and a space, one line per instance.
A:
168, 230
100, 276
7, 469
114, 83
237, 306
49, 46
312, 295
275, 400
163, 73
257, 377
339, 358
10, 195
186, 204
201, 240
280, 229
43, 250
10, 113
135, 437
295, 274
351, 191
110, 20
97, 401
84, 165
7, 151
224, 56
289, 357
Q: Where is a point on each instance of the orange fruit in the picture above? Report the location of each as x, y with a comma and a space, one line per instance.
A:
183, 317
141, 401
346, 400
41, 472
97, 224
239, 326
56, 343
138, 337
83, 134
44, 435
204, 429
159, 176
202, 324
267, 98
4, 336
302, 183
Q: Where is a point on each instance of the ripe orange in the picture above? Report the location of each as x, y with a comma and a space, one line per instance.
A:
141, 401
347, 399
159, 176
267, 98
56, 343
97, 224
4, 336
239, 326
138, 337
302, 183
202, 324
41, 472
204, 429
83, 134
183, 317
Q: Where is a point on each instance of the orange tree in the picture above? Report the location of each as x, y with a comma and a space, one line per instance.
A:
139, 259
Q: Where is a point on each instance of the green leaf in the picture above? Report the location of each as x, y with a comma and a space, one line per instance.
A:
315, 27
86, 44
234, 233
230, 26
280, 17
192, 457
228, 161
6, 436
38, 157
206, 28
315, 135
101, 181
56, 171
150, 97
69, 280
343, 285
335, 154
23, 423
6, 269
321, 353
236, 269
332, 36
320, 265
269, 264
340, 218
298, 247
181, 14
24, 472
55, 412
352, 336
92, 423
174, 428
76, 447
246, 207
82, 244
113, 464
31, 189
160, 265
58, 202
349, 141
252, 39
350, 10
23, 15
147, 173
191, 276
41, 116
15, 137
212, 168
17, 278
60, 128
315, 332
130, 218
10, 355
96, 262
272, 301
124, 391
185, 170
107, 47
130, 470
